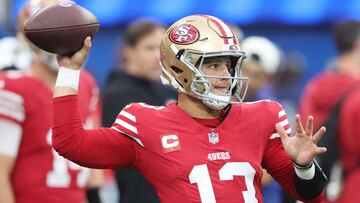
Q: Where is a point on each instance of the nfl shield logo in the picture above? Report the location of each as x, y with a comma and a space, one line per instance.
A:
213, 138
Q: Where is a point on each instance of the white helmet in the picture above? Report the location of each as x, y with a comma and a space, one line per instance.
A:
13, 54
267, 53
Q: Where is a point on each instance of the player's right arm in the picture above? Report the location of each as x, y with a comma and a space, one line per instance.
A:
96, 148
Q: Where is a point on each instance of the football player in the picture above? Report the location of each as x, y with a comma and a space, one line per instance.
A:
30, 170
333, 96
205, 147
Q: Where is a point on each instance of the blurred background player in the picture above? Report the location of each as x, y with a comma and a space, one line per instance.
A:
30, 170
136, 79
261, 65
336, 91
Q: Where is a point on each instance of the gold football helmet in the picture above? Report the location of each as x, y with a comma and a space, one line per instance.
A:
185, 46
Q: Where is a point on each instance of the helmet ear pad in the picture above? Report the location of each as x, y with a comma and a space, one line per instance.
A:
181, 71
181, 76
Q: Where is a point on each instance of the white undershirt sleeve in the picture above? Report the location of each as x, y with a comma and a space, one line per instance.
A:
10, 137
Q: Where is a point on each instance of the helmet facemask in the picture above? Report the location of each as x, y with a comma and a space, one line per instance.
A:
201, 87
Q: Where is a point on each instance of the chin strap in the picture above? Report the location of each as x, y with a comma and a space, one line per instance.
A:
216, 101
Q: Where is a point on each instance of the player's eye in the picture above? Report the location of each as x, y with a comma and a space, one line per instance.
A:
213, 66
218, 66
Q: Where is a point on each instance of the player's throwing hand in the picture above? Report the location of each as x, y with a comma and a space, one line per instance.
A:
76, 60
67, 81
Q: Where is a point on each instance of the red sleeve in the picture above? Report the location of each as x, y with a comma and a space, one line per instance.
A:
350, 148
89, 96
279, 165
350, 132
93, 120
97, 148
276, 161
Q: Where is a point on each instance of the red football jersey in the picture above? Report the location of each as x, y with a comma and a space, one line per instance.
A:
39, 173
188, 162
184, 160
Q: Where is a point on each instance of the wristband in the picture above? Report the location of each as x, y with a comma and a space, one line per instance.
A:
68, 78
305, 172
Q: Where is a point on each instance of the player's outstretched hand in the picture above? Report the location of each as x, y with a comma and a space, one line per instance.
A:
76, 60
302, 147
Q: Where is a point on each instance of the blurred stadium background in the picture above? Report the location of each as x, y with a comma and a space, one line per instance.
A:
300, 27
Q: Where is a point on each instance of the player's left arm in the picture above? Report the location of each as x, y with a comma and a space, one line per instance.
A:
302, 149
290, 160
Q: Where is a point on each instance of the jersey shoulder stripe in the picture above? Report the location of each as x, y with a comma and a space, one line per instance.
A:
12, 105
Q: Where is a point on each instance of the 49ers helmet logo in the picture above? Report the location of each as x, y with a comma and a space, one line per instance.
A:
184, 34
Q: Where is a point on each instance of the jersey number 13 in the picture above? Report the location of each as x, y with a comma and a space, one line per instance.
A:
200, 175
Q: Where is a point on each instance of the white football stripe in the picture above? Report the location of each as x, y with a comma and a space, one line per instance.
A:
12, 113
274, 135
12, 105
11, 96
128, 115
282, 113
126, 125
284, 122
132, 137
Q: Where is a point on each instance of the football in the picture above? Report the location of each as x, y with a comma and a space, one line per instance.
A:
61, 28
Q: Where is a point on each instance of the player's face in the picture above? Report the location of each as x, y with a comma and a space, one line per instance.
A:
147, 53
217, 66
